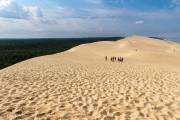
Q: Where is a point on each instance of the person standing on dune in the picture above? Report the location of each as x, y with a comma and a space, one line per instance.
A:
106, 58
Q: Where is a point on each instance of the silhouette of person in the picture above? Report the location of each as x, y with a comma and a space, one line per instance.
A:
119, 59
106, 58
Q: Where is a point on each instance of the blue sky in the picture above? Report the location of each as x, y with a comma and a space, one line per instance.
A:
89, 18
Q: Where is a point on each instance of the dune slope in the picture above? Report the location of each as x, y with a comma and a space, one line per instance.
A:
80, 84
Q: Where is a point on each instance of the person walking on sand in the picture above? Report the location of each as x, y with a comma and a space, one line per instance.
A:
119, 59
106, 58
122, 59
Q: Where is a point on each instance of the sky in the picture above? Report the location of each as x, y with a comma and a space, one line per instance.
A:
89, 18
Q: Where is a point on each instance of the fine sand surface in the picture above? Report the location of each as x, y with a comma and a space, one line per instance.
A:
80, 85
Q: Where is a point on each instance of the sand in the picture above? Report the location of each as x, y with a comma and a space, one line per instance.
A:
79, 84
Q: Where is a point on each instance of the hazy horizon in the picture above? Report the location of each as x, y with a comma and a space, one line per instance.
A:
175, 40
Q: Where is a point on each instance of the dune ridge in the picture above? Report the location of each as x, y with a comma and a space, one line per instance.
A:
79, 84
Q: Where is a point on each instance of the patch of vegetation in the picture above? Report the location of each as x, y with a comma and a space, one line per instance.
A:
13, 51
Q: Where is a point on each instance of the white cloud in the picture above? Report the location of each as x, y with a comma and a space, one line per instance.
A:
4, 3
139, 22
98, 2
11, 9
33, 12
94, 1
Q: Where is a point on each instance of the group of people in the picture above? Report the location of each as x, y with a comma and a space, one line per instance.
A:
114, 59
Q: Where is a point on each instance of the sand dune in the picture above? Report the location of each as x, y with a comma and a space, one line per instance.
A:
80, 84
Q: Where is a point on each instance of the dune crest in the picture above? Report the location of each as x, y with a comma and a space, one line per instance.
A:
79, 84
134, 48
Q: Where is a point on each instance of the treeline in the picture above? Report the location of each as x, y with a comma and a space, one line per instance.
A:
16, 50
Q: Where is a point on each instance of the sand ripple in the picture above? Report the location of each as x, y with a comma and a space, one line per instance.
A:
82, 91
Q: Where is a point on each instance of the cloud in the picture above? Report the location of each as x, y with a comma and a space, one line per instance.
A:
4, 3
104, 1
11, 9
95, 18
120, 13
33, 12
94, 1
176, 2
139, 22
